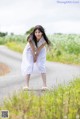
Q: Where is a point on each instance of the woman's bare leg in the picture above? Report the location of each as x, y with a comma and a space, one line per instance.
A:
27, 77
44, 79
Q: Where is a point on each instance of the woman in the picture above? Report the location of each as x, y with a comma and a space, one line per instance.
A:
35, 52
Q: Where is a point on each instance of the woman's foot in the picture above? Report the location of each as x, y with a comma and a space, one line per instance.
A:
44, 88
25, 88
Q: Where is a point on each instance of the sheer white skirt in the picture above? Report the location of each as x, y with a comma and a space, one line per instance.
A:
28, 66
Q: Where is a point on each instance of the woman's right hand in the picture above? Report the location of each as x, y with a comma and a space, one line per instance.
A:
35, 55
35, 58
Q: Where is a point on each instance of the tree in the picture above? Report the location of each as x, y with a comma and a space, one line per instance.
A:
12, 34
2, 34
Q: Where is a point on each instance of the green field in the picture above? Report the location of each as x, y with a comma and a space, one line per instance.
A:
65, 48
59, 103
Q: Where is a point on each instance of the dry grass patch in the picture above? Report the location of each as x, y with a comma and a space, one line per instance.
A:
4, 69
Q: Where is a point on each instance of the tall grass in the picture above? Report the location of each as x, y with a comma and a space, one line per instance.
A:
69, 43
65, 48
59, 103
13, 38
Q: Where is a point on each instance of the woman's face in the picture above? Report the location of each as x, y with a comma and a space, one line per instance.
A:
38, 34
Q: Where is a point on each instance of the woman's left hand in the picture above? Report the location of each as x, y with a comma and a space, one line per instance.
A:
35, 58
37, 52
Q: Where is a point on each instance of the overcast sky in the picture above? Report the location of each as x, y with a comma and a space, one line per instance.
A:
18, 16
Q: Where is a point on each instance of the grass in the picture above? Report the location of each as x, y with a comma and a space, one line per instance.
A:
63, 58
16, 46
59, 103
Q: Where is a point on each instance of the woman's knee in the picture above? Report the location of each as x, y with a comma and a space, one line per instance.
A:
30, 67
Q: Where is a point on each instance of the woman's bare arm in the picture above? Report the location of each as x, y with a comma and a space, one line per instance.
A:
33, 50
39, 48
32, 46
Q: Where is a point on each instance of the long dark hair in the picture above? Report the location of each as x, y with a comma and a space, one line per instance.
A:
41, 29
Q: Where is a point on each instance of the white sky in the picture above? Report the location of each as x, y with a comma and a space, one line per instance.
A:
18, 16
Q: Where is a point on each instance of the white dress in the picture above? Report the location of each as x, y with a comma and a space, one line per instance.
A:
28, 66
